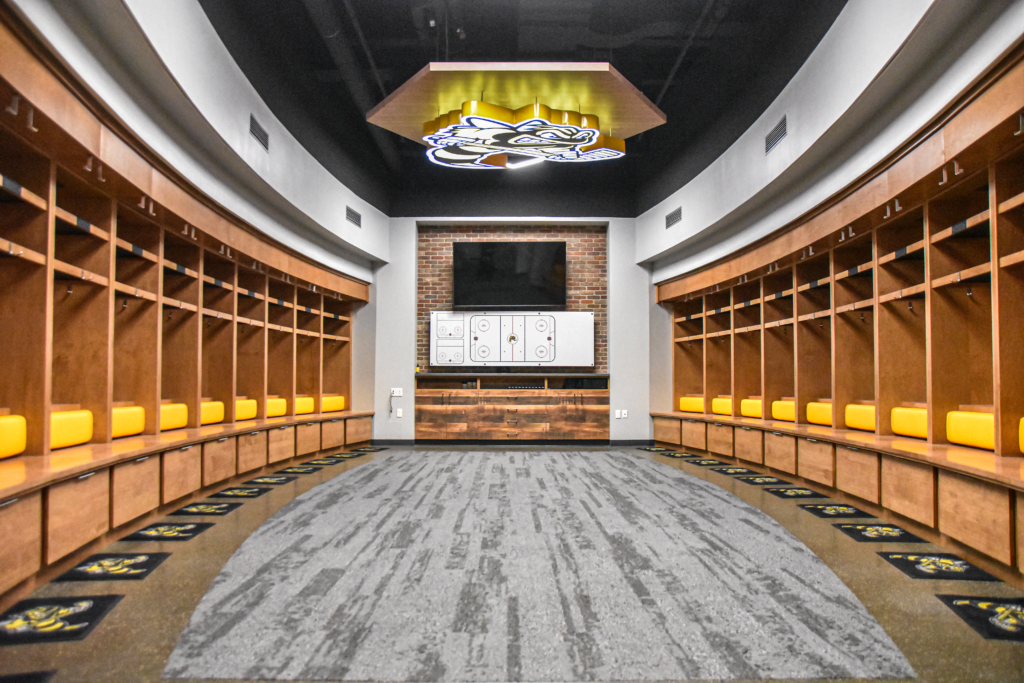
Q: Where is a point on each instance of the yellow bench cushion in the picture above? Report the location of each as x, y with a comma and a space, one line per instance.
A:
332, 404
750, 407
276, 407
910, 422
784, 411
304, 405
245, 409
70, 428
211, 412
971, 429
173, 416
721, 406
691, 404
13, 435
128, 421
859, 416
819, 413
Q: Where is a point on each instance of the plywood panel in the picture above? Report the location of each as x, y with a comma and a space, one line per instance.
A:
359, 429
908, 488
780, 452
307, 438
182, 472
77, 511
281, 444
695, 434
21, 537
134, 490
720, 439
857, 473
667, 430
332, 434
816, 461
218, 460
976, 513
252, 451
749, 444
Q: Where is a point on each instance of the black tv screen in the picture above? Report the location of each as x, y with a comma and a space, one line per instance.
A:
509, 275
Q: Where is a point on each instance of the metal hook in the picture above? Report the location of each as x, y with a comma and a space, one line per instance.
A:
70, 290
969, 293
1020, 128
887, 212
31, 119
124, 304
151, 211
12, 108
99, 174
945, 179
142, 202
810, 250
88, 165
957, 170
862, 317
897, 203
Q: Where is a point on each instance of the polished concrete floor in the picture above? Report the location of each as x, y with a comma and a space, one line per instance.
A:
136, 638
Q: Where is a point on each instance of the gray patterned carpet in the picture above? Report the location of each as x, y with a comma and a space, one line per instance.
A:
527, 566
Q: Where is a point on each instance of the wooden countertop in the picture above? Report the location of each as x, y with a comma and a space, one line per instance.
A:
27, 473
973, 462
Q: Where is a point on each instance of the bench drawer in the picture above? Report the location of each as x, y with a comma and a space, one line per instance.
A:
780, 452
720, 439
857, 473
332, 434
219, 460
135, 489
749, 444
909, 489
21, 536
281, 444
695, 435
666, 429
77, 511
307, 438
359, 429
816, 460
182, 473
252, 451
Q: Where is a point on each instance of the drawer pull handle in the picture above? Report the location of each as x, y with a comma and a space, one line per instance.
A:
813, 440
511, 420
86, 476
512, 434
185, 448
282, 427
513, 410
746, 429
224, 439
777, 433
254, 433
143, 459
8, 502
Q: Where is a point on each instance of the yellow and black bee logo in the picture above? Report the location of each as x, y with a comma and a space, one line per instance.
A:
301, 470
794, 493
169, 531
945, 566
834, 510
270, 480
113, 566
933, 564
760, 481
732, 470
45, 619
242, 493
878, 533
994, 618
205, 508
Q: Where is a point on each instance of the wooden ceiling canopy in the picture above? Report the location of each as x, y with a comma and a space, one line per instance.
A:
593, 88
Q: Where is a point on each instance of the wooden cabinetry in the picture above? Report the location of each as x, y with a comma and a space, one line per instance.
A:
358, 430
21, 537
281, 444
523, 407
252, 451
182, 471
134, 489
307, 438
77, 511
332, 434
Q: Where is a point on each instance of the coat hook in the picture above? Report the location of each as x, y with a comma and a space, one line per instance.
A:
99, 174
31, 119
945, 179
910, 305
222, 249
842, 235
969, 290
193, 232
185, 231
897, 203
12, 108
862, 317
70, 290
142, 202
151, 211
1020, 128
88, 165
957, 170
124, 304
229, 253
810, 250
887, 212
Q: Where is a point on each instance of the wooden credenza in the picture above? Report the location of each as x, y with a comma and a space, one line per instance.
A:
492, 412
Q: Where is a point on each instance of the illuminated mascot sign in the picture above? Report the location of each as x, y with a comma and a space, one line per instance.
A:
482, 135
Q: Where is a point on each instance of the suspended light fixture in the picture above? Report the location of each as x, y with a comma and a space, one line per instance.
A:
475, 132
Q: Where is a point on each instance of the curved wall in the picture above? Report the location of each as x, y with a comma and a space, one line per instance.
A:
881, 74
160, 68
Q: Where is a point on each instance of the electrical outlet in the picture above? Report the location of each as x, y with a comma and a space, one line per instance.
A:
398, 412
618, 414
625, 414
396, 392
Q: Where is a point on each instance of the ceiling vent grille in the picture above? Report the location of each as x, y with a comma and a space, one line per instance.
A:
775, 136
259, 132
673, 218
353, 216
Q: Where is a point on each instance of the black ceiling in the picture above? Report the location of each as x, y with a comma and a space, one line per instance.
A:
733, 56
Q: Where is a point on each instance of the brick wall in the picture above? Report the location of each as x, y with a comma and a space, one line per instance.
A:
586, 263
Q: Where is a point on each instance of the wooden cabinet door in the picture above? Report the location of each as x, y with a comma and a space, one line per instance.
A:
21, 537
695, 434
857, 472
720, 439
816, 461
307, 438
332, 433
134, 489
780, 451
749, 444
281, 444
218, 460
182, 473
252, 451
77, 511
358, 429
667, 430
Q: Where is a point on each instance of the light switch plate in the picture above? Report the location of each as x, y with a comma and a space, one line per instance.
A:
398, 412
618, 414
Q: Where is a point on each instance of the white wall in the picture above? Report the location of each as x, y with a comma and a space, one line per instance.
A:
364, 353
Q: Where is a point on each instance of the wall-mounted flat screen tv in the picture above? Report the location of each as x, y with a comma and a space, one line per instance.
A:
509, 275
